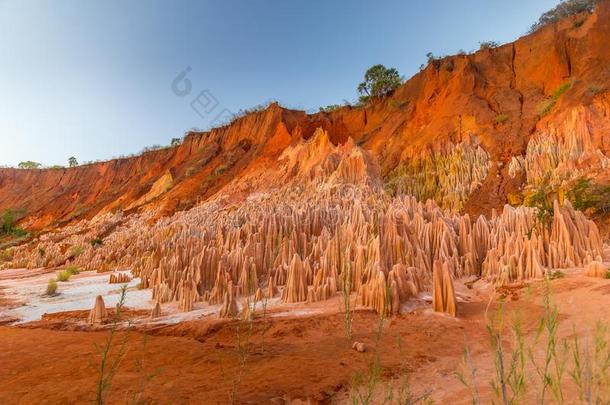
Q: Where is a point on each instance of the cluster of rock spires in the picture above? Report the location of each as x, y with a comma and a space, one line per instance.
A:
331, 229
447, 175
561, 154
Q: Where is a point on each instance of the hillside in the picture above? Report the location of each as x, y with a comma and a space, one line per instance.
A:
492, 99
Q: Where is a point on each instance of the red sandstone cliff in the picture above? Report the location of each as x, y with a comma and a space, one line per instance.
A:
490, 98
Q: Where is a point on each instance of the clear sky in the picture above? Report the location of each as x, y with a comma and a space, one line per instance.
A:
94, 79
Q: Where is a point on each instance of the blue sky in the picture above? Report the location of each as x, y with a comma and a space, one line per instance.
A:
93, 79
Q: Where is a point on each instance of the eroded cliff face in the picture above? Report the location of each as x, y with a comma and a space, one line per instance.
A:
467, 131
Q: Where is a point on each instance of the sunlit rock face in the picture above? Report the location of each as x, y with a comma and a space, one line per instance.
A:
326, 227
564, 151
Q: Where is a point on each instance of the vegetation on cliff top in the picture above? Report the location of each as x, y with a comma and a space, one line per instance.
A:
564, 9
378, 81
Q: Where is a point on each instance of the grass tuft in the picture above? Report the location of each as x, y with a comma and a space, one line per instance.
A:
51, 287
63, 275
546, 106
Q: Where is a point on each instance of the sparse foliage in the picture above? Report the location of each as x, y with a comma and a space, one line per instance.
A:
488, 45
564, 9
72, 162
109, 365
546, 106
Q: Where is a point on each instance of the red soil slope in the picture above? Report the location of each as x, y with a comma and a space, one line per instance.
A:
453, 99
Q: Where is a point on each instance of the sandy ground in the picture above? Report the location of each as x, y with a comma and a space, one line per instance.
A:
25, 289
289, 354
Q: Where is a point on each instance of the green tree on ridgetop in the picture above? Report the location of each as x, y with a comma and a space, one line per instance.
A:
378, 81
28, 164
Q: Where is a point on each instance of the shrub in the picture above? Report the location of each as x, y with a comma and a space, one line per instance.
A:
96, 242
7, 226
63, 275
20, 232
488, 45
378, 82
8, 222
588, 196
190, 171
51, 287
541, 199
175, 142
546, 106
72, 162
72, 270
501, 118
330, 108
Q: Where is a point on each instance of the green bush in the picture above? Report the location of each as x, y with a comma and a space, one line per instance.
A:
585, 195
63, 275
51, 287
96, 242
541, 199
8, 227
8, 222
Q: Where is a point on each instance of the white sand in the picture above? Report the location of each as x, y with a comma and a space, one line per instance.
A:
76, 294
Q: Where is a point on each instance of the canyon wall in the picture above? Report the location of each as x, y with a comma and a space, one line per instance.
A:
468, 131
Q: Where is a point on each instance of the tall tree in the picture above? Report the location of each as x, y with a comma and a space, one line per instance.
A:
378, 81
